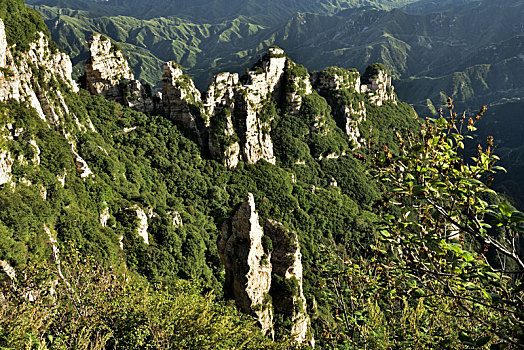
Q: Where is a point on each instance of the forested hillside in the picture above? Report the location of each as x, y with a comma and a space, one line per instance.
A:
316, 203
469, 50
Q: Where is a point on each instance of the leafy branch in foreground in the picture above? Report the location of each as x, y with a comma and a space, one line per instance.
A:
451, 235
447, 249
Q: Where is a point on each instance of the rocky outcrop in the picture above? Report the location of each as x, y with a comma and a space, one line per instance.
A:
335, 78
286, 288
223, 141
181, 100
264, 271
221, 93
142, 223
242, 132
6, 165
376, 82
3, 44
108, 74
298, 85
247, 265
341, 88
26, 76
105, 215
8, 270
176, 219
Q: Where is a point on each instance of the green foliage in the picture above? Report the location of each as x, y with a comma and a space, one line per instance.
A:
372, 72
22, 24
219, 125
437, 271
95, 307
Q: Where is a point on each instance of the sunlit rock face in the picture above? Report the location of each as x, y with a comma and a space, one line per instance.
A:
247, 266
376, 82
23, 78
108, 74
239, 127
342, 88
181, 100
263, 267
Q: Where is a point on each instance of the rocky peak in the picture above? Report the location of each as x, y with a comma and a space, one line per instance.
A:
247, 136
106, 67
341, 87
377, 83
264, 271
223, 141
265, 77
180, 98
298, 85
221, 92
109, 74
286, 287
247, 265
335, 78
17, 78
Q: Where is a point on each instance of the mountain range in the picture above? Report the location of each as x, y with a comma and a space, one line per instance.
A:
314, 201
470, 50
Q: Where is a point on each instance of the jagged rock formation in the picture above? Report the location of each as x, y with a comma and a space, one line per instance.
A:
108, 74
335, 78
376, 82
104, 215
18, 80
247, 265
7, 270
221, 92
245, 121
264, 270
181, 100
3, 44
342, 88
298, 85
220, 104
176, 219
142, 223
286, 287
32, 76
6, 165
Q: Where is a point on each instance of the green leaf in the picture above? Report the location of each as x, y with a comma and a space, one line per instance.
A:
464, 337
493, 275
482, 341
505, 209
517, 216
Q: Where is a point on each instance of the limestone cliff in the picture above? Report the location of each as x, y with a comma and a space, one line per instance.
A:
36, 76
298, 85
25, 76
247, 265
181, 100
342, 89
286, 287
376, 82
107, 73
264, 272
249, 124
223, 141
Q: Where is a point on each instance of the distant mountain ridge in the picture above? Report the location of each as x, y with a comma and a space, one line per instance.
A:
471, 50
205, 10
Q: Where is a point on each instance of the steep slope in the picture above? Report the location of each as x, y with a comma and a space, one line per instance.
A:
145, 190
